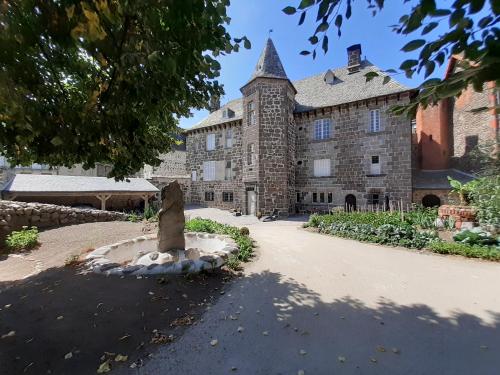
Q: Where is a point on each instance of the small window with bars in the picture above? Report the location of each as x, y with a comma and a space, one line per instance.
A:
251, 113
209, 196
228, 173
374, 198
375, 165
229, 138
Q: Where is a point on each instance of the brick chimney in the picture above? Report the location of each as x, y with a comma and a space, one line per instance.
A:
354, 58
214, 104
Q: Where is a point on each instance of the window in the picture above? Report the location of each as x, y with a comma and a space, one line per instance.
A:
250, 154
374, 198
321, 167
210, 142
322, 129
375, 120
375, 165
315, 197
322, 197
227, 196
209, 196
251, 113
193, 175
3, 162
229, 138
299, 197
209, 170
330, 197
228, 173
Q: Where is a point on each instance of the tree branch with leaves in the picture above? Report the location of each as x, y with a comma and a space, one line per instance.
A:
473, 36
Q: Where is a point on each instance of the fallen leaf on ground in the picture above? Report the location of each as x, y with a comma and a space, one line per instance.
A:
10, 334
7, 306
374, 360
265, 333
302, 352
60, 317
121, 358
68, 355
183, 321
380, 349
341, 359
214, 342
124, 337
241, 329
104, 367
396, 350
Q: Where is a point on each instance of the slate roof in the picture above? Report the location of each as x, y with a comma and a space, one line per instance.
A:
313, 92
269, 64
37, 183
215, 117
425, 179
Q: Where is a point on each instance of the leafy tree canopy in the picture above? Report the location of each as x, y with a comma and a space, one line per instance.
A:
475, 37
87, 81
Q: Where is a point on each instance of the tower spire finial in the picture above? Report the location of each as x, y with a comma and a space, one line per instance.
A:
269, 64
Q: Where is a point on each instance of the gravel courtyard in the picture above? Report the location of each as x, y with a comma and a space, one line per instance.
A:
326, 305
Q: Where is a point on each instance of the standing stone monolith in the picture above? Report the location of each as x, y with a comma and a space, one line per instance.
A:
171, 219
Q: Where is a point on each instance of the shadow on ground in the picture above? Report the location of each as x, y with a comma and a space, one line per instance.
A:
60, 311
288, 327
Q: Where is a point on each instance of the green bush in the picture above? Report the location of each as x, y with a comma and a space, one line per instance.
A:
372, 218
423, 217
243, 241
470, 251
151, 213
475, 236
25, 239
485, 195
387, 234
134, 217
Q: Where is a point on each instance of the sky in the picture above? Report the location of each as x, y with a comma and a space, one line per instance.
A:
254, 19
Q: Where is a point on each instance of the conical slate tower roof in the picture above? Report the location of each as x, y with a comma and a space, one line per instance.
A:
269, 64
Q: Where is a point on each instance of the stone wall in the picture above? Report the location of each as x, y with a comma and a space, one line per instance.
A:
15, 215
197, 153
470, 126
350, 149
443, 195
161, 182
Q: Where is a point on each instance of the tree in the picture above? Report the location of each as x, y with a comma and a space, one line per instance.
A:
476, 37
87, 81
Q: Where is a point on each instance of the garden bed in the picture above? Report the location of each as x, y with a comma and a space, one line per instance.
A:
415, 229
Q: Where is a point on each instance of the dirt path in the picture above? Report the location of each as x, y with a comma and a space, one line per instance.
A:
58, 245
60, 321
326, 305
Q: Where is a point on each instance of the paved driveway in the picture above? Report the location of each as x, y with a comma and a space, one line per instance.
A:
325, 305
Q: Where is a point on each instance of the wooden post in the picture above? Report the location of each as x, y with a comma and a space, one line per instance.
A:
103, 198
146, 201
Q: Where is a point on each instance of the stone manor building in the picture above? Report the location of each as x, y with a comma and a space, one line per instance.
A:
308, 145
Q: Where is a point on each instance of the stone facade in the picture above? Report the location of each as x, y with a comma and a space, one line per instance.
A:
275, 145
15, 215
350, 149
229, 181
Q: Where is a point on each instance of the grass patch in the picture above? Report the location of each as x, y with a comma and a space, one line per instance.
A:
240, 236
469, 251
24, 239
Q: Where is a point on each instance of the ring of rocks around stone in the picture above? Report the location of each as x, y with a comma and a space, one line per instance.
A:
196, 259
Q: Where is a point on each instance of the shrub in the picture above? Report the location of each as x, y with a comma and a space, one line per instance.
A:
485, 195
134, 217
244, 231
151, 213
470, 251
423, 217
243, 241
476, 236
375, 219
26, 238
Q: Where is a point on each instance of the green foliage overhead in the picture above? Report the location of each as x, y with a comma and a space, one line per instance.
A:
485, 195
476, 37
105, 80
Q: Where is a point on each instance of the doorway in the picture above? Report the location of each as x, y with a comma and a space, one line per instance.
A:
251, 202
350, 203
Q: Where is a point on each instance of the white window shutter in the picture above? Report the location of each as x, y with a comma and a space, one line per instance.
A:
193, 175
321, 167
220, 170
210, 142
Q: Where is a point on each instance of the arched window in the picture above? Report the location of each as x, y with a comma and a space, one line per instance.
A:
431, 200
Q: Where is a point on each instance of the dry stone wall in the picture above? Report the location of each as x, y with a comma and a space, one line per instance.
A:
15, 215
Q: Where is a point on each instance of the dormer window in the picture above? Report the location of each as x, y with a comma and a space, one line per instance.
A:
329, 77
227, 113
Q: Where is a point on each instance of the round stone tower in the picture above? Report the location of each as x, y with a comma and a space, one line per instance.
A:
268, 137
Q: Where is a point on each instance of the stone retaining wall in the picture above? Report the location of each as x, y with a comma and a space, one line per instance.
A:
15, 215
